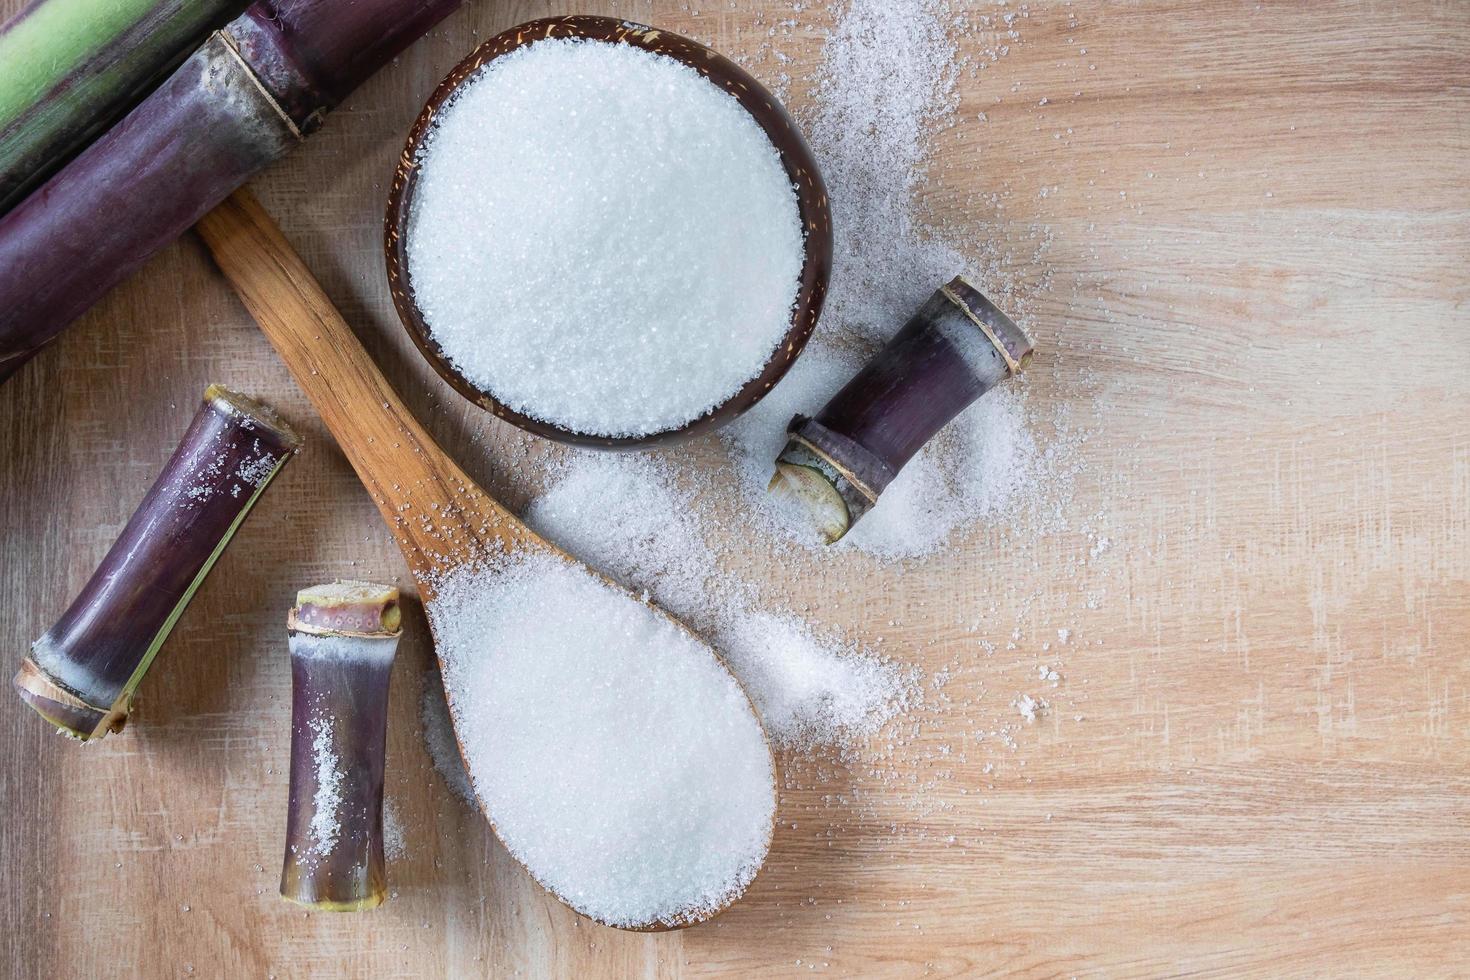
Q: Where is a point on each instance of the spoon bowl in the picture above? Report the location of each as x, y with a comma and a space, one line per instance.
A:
796, 157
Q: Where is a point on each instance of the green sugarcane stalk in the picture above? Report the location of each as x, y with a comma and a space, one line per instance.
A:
70, 68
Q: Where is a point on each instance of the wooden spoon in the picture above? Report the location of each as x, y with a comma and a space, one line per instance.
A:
440, 518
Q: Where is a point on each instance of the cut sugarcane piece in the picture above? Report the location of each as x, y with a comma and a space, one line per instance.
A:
957, 347
342, 638
82, 673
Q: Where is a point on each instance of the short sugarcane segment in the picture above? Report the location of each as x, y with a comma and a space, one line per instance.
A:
342, 639
837, 464
81, 675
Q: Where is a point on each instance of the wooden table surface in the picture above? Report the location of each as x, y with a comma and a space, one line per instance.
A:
1243, 230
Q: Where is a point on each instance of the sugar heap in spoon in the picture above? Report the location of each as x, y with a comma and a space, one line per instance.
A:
617, 758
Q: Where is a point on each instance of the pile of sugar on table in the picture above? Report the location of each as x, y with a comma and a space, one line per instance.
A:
602, 238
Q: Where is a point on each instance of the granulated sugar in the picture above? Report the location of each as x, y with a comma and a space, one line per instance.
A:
811, 692
695, 529
395, 840
618, 761
326, 822
602, 238
1029, 708
886, 82
628, 517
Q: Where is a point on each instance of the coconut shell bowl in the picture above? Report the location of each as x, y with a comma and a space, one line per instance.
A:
779, 127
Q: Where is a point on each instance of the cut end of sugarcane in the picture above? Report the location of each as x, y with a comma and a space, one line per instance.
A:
1010, 339
70, 714
252, 412
298, 891
810, 490
347, 609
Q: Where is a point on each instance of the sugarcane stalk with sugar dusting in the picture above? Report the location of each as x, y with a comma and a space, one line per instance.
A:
342, 638
837, 463
81, 675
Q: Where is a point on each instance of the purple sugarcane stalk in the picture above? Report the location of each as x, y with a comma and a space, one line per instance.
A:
837, 464
237, 104
343, 637
82, 673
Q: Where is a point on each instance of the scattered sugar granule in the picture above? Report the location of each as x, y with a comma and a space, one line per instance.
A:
1029, 707
254, 472
395, 842
810, 692
602, 238
885, 83
617, 759
626, 516
326, 821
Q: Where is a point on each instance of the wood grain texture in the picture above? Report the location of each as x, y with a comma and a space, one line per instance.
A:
1241, 231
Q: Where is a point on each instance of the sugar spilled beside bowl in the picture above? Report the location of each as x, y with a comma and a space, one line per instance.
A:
607, 234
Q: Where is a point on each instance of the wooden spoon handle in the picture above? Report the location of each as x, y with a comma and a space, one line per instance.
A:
438, 515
